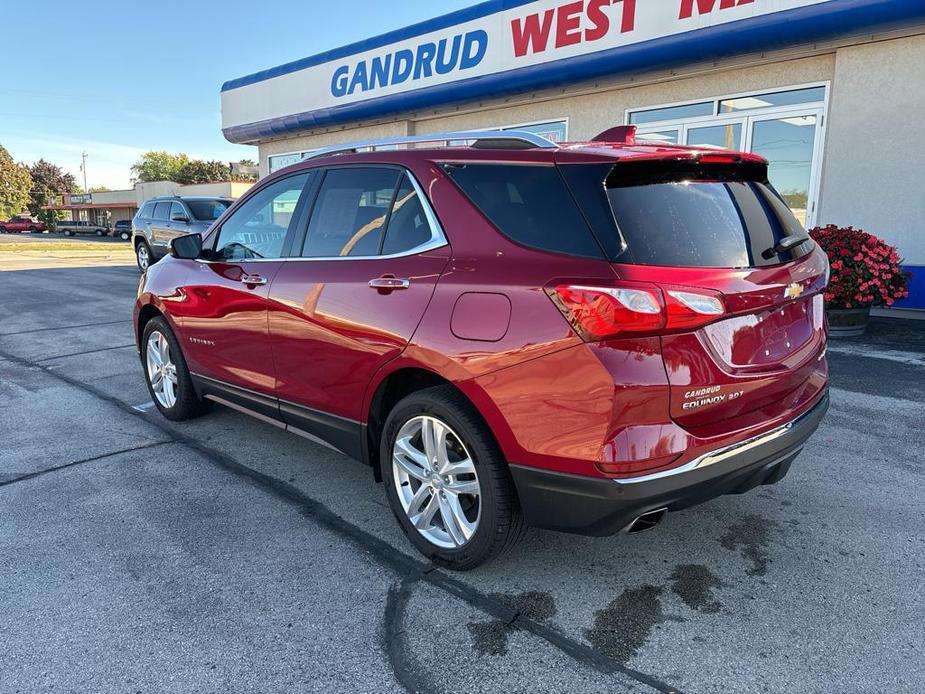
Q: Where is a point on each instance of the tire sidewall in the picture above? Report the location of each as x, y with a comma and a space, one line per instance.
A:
137, 260
416, 405
187, 400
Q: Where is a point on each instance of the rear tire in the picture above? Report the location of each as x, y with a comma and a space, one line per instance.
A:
124, 235
491, 523
100, 232
68, 232
166, 373
143, 257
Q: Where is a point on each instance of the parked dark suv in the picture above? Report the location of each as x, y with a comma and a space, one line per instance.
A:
165, 218
122, 229
580, 337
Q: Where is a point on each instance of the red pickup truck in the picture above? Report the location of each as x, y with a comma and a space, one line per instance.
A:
22, 223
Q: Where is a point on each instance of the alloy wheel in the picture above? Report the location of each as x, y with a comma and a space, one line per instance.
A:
436, 481
162, 372
143, 257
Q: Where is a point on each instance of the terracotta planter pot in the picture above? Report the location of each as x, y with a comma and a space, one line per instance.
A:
847, 322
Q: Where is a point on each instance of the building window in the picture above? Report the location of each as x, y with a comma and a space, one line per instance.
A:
281, 161
783, 126
656, 115
556, 130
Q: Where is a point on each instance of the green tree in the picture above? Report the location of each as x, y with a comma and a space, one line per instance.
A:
198, 171
158, 166
100, 189
15, 184
240, 175
48, 179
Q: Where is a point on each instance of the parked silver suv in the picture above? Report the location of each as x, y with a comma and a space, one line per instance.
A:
164, 218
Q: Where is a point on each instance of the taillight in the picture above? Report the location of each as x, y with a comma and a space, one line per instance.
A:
690, 309
598, 313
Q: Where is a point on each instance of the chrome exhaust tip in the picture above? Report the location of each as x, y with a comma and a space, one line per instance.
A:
646, 521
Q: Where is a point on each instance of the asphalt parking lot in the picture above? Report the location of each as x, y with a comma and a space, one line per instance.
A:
222, 555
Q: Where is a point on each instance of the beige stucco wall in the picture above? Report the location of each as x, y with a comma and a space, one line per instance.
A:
874, 163
146, 191
347, 134
590, 114
588, 110
220, 190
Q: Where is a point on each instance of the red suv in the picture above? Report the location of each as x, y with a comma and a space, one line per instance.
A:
579, 337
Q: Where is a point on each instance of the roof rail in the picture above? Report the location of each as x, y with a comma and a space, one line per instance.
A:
488, 139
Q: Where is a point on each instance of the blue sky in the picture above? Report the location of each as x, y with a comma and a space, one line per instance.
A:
116, 79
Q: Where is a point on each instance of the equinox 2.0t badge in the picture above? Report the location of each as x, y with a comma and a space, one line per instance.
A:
793, 291
703, 397
200, 341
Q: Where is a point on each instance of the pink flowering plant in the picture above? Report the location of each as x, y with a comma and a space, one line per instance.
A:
865, 270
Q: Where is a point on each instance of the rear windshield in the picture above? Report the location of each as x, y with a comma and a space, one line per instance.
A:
207, 210
701, 216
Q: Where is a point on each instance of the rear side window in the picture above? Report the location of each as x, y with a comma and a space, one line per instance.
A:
207, 210
700, 218
162, 210
530, 204
147, 210
350, 212
408, 225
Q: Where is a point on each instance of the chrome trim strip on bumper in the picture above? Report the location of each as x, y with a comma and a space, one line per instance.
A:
727, 452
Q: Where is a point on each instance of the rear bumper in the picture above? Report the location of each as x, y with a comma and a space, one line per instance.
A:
595, 506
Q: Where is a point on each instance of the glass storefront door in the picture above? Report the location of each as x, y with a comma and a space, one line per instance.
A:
784, 127
789, 143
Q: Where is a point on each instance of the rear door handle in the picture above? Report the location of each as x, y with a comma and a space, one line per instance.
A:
390, 283
253, 280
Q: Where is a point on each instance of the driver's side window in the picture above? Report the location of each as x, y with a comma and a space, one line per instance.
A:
258, 228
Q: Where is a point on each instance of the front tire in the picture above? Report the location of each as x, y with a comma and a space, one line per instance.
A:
166, 373
447, 481
124, 235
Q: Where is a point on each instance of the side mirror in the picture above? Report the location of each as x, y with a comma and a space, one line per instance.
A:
188, 247
180, 218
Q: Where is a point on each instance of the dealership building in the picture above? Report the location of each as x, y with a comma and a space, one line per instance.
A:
831, 92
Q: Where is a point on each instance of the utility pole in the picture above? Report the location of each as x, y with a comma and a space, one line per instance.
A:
83, 167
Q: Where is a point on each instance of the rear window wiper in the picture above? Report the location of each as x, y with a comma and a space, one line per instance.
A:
784, 245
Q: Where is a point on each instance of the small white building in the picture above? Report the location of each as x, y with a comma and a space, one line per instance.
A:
831, 92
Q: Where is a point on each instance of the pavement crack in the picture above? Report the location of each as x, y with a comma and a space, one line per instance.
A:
65, 466
491, 637
386, 554
395, 642
80, 354
64, 327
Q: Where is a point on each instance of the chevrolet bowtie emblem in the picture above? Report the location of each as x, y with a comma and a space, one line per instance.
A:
793, 291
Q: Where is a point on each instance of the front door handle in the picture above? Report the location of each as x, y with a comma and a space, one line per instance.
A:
389, 283
253, 280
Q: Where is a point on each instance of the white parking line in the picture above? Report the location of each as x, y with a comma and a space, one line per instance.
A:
144, 407
911, 358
